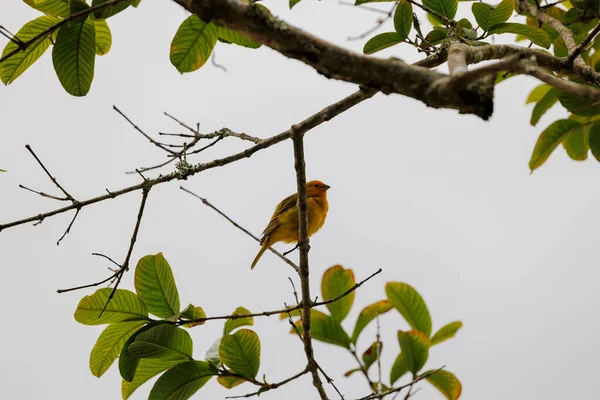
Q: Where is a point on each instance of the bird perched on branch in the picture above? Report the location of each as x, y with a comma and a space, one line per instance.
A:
284, 224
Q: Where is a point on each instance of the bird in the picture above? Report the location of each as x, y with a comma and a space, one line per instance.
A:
284, 224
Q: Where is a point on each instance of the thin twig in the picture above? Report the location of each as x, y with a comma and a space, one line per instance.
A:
582, 46
267, 387
362, 368
137, 128
68, 227
247, 232
53, 179
378, 24
125, 265
441, 17
49, 196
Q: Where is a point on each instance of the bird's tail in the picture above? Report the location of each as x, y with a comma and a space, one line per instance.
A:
263, 248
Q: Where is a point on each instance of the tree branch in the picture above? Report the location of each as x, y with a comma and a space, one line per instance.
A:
304, 246
314, 120
388, 76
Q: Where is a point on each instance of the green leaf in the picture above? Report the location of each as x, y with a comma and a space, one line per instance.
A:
594, 140
155, 284
241, 352
13, 67
128, 363
537, 93
325, 329
415, 349
229, 382
536, 35
147, 369
192, 313
182, 381
403, 19
436, 35
103, 37
166, 342
446, 383
193, 43
488, 15
446, 332
109, 344
445, 7
399, 369
410, 304
551, 137
367, 315
336, 281
73, 56
578, 105
136, 3
237, 38
293, 3
370, 355
381, 41
545, 103
231, 324
59, 8
465, 23
212, 354
109, 11
577, 144
124, 306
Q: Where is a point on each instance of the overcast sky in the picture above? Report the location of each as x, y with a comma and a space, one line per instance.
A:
442, 201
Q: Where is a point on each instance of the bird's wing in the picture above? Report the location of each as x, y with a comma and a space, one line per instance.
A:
281, 208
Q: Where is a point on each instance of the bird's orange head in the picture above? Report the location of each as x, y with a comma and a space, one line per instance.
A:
316, 188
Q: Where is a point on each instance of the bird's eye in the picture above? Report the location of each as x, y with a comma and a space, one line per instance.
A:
316, 185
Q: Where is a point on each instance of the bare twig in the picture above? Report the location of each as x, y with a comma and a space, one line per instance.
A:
49, 196
137, 128
441, 17
125, 265
270, 386
314, 120
69, 227
53, 179
247, 232
378, 24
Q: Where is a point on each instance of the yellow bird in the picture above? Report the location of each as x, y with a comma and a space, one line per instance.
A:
284, 223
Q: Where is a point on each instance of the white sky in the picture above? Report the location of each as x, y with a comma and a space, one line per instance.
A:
441, 201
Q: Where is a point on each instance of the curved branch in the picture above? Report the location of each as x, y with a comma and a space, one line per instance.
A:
314, 120
388, 76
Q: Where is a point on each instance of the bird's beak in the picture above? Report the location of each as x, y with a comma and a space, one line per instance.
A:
326, 187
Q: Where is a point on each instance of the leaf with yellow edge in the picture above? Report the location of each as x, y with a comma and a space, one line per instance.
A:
230, 382
551, 137
193, 43
368, 314
446, 383
446, 332
410, 304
